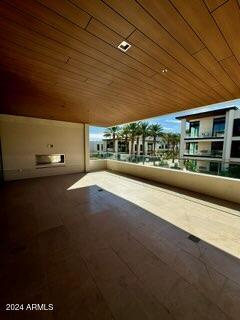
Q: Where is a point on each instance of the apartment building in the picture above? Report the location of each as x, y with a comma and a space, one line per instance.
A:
121, 146
211, 140
95, 146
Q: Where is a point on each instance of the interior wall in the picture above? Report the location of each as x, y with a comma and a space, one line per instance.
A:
22, 138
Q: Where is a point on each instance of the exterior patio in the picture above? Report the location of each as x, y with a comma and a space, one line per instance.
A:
107, 246
113, 244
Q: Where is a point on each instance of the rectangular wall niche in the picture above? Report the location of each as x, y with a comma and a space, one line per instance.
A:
49, 160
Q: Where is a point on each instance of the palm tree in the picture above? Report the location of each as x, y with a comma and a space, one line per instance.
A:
172, 140
144, 131
175, 143
133, 132
112, 132
124, 133
155, 131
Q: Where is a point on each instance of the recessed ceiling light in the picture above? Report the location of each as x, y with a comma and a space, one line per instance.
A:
124, 46
164, 70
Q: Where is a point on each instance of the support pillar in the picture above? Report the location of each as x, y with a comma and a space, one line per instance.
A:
116, 146
227, 144
138, 149
86, 148
146, 148
129, 147
183, 135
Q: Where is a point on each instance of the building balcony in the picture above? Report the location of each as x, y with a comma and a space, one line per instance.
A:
205, 136
204, 154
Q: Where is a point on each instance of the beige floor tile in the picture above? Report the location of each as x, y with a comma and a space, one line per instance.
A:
106, 246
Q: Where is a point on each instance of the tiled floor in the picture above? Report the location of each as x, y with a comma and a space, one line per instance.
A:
105, 246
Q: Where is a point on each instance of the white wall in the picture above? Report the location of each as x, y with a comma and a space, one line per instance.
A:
96, 165
206, 125
237, 114
93, 146
22, 138
204, 145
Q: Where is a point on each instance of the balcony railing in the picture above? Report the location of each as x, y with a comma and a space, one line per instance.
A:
204, 153
189, 164
205, 135
148, 160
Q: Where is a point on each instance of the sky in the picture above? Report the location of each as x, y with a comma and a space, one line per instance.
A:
168, 122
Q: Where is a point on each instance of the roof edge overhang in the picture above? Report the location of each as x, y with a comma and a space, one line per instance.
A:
221, 111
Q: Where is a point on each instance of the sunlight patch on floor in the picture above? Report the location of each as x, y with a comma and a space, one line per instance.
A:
213, 223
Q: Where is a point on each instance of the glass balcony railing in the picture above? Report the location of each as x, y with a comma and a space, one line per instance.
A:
189, 164
102, 155
204, 153
219, 134
206, 135
158, 160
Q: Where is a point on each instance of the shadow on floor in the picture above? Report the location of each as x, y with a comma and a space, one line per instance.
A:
94, 255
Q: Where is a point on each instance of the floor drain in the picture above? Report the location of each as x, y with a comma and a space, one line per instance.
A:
193, 238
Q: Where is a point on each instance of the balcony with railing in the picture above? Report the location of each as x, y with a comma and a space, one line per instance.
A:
204, 153
205, 135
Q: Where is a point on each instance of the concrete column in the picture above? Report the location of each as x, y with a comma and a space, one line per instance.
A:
104, 146
227, 143
138, 150
129, 147
116, 146
86, 148
183, 135
134, 144
146, 148
181, 164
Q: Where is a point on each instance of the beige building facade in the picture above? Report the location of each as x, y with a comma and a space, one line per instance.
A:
211, 140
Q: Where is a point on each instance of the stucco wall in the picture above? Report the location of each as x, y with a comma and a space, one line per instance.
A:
219, 187
22, 138
96, 165
206, 125
206, 145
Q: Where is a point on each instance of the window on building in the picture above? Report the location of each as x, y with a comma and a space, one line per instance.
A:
236, 127
191, 147
194, 128
150, 147
217, 147
234, 170
214, 167
122, 146
218, 127
110, 145
235, 150
98, 147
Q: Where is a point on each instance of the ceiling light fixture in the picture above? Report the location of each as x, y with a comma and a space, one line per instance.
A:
124, 46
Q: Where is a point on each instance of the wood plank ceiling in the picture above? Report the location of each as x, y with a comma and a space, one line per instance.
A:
59, 59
